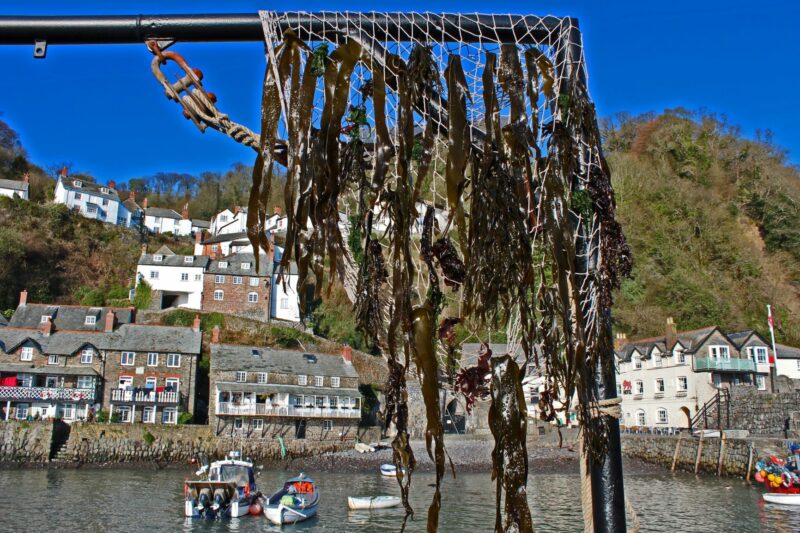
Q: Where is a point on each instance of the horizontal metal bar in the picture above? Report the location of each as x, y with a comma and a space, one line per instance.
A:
121, 29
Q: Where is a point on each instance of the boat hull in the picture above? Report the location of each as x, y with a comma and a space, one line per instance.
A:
235, 510
280, 514
356, 503
782, 499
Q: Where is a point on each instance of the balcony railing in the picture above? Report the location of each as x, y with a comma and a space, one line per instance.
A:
263, 409
145, 397
733, 365
46, 393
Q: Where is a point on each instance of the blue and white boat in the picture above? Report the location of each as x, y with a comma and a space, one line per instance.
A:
228, 491
296, 501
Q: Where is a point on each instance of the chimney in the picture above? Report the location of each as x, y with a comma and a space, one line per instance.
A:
144, 203
185, 212
144, 249
215, 335
198, 236
620, 340
23, 297
132, 195
347, 354
48, 327
236, 210
196, 323
672, 334
26, 178
112, 184
110, 318
63, 172
276, 210
132, 310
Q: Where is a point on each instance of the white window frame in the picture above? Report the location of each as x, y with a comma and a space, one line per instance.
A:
302, 379
87, 356
149, 415
641, 418
254, 281
284, 303
252, 298
22, 411
158, 258
175, 383
682, 387
238, 424
660, 387
637, 362
241, 377
127, 356
258, 424
219, 295
681, 358
90, 320
26, 354
171, 359
152, 358
319, 381
52, 359
662, 416
169, 415
719, 351
188, 259
83, 381
44, 319
335, 381
245, 266
758, 352
198, 277
327, 425
124, 413
262, 377
761, 382
797, 361
219, 279
223, 264
154, 274
238, 280
68, 411
638, 387
333, 402
184, 276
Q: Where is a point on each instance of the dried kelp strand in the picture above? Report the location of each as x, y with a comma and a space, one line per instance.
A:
457, 143
471, 382
452, 267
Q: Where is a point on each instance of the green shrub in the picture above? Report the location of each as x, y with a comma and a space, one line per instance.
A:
183, 317
115, 418
101, 416
148, 438
185, 417
144, 295
90, 297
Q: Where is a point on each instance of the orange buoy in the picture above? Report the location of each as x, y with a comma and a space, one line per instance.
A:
255, 509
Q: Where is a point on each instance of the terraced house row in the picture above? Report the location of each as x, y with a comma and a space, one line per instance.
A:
69, 362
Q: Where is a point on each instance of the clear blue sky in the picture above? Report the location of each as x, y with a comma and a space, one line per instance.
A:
99, 108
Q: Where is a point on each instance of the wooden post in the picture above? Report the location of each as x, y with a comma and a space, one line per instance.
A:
677, 449
699, 452
749, 463
721, 453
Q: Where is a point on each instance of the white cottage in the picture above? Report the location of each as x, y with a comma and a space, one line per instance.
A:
14, 188
177, 278
92, 200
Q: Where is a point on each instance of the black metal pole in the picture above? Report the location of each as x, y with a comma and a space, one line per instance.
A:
121, 29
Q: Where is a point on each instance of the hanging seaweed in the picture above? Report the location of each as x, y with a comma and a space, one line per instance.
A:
458, 147
447, 336
369, 297
471, 381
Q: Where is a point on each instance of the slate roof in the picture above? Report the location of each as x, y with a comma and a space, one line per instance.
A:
162, 212
68, 317
200, 261
787, 352
3, 321
233, 386
69, 370
131, 205
14, 185
225, 237
201, 223
89, 187
234, 267
231, 357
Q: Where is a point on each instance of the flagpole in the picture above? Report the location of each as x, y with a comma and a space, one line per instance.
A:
774, 351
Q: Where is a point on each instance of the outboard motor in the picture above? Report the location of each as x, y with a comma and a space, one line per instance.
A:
204, 504
220, 500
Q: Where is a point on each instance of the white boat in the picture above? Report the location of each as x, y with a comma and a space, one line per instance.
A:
388, 470
296, 501
372, 502
783, 499
229, 490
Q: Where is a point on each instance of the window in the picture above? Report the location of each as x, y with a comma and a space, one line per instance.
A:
213, 247
149, 415
158, 258
660, 386
22, 411
77, 184
319, 402
760, 354
124, 414
252, 297
219, 295
52, 359
68, 411
258, 424
245, 266
717, 380
681, 358
174, 360
172, 384
639, 386
683, 384
91, 209
104, 190
719, 352
237, 280
262, 377
90, 320
241, 377
198, 277
87, 354
661, 414
238, 423
150, 382
223, 218
641, 419
152, 359
170, 416
127, 358
223, 264
85, 382
327, 425
219, 279
333, 402
254, 282
188, 259
798, 364
26, 354
637, 362
319, 381
302, 379
184, 276
44, 319
284, 303
761, 382
334, 382
105, 201
154, 274
24, 380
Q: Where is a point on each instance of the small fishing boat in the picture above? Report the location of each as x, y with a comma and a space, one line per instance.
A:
296, 501
782, 498
388, 470
372, 502
229, 490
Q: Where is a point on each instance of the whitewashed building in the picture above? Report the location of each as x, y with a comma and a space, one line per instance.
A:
92, 200
14, 188
788, 361
177, 278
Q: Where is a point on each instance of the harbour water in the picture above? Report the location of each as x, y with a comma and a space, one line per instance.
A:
144, 500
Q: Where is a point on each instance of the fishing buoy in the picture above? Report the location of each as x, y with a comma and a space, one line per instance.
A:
760, 477
255, 509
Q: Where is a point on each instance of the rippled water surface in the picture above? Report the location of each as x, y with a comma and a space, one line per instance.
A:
138, 500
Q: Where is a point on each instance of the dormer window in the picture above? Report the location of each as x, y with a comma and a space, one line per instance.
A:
223, 264
77, 183
245, 266
188, 259
104, 190
90, 320
223, 218
158, 258
45, 318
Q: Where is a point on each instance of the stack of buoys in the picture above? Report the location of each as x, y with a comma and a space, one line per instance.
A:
780, 476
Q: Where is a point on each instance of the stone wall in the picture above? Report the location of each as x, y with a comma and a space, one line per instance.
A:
763, 413
660, 450
26, 442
